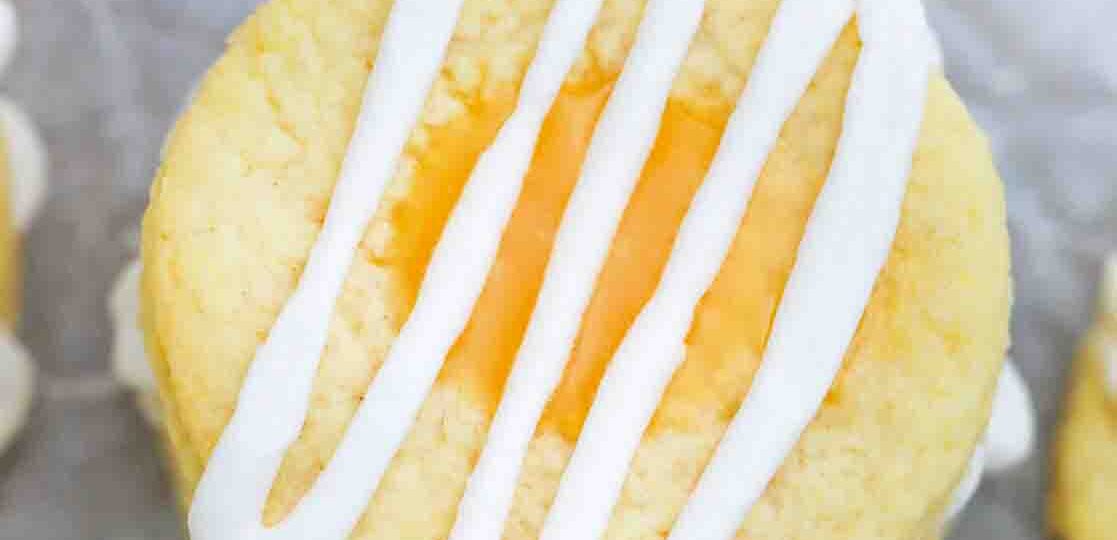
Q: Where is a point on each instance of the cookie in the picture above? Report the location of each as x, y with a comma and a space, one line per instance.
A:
894, 293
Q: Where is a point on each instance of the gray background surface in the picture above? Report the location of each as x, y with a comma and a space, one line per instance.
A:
103, 78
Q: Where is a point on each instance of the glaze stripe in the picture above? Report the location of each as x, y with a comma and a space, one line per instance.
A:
488, 495
846, 243
1010, 437
617, 153
802, 33
620, 146
273, 402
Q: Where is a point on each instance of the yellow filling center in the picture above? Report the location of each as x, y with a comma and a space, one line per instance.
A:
732, 321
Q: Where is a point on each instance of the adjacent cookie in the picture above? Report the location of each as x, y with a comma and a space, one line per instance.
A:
1084, 479
23, 170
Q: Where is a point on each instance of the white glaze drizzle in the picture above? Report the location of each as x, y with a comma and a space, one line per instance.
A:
129, 360
274, 399
1008, 442
802, 34
621, 143
847, 240
488, 495
967, 488
27, 155
846, 243
27, 163
1011, 434
620, 146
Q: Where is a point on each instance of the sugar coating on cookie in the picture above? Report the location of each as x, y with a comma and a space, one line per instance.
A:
282, 103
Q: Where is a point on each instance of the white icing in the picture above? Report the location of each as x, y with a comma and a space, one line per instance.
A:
617, 152
129, 360
1010, 437
27, 156
275, 397
488, 495
27, 161
9, 33
847, 241
967, 488
17, 383
1009, 440
801, 36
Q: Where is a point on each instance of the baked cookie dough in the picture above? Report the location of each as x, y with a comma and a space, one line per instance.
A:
247, 181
